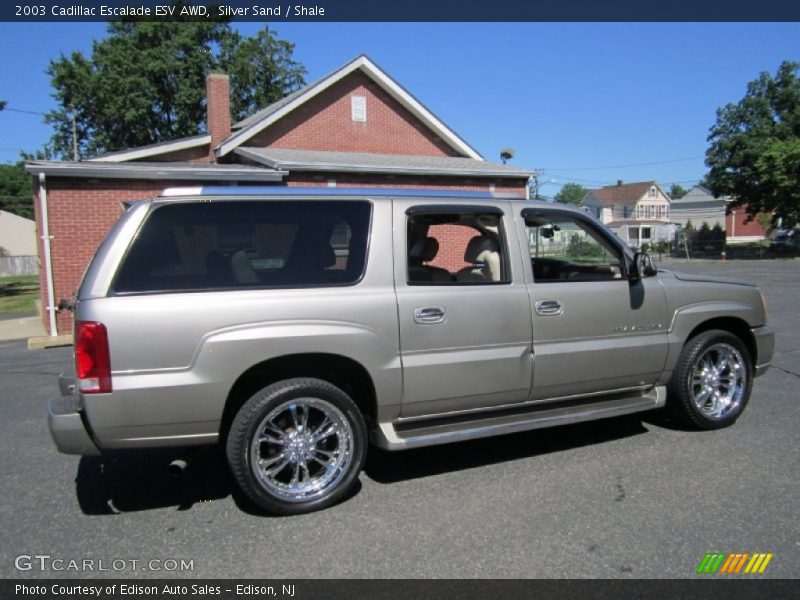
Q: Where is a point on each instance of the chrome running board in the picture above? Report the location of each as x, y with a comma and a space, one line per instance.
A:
443, 430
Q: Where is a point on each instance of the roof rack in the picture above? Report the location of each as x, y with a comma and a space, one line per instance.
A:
324, 192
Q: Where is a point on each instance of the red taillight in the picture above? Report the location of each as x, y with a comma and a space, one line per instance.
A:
92, 363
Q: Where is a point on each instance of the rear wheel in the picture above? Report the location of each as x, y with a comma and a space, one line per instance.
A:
297, 446
711, 383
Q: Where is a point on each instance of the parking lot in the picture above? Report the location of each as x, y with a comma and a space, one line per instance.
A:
635, 497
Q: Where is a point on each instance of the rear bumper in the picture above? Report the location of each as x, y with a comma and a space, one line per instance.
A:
66, 425
765, 347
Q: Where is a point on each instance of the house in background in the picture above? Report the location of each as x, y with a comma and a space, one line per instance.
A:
699, 206
356, 127
639, 213
17, 234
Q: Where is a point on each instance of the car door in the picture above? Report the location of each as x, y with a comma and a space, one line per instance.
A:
593, 329
464, 313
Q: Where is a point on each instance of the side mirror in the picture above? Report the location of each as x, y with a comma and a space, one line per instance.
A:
642, 267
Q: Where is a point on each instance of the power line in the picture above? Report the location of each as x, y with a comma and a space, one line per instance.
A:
19, 110
647, 164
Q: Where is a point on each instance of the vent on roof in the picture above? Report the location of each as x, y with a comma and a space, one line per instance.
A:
358, 105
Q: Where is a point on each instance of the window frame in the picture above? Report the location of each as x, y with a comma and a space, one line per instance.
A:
460, 209
112, 291
612, 240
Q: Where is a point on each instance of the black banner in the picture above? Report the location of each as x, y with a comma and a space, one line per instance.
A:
404, 11
400, 589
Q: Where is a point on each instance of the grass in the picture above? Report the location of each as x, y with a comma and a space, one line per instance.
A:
18, 294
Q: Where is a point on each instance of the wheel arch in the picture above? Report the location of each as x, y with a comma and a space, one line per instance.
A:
343, 372
736, 326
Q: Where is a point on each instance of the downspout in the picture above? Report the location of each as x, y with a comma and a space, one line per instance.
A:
48, 263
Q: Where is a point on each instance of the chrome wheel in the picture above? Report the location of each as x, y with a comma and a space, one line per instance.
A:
718, 381
301, 449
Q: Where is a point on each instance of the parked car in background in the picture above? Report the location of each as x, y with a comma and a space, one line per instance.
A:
786, 240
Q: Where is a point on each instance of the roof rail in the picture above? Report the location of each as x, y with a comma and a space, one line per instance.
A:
323, 192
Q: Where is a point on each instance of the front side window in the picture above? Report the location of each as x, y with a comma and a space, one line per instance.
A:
563, 248
196, 246
459, 248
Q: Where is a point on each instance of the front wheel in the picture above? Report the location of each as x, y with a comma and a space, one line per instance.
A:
712, 381
297, 445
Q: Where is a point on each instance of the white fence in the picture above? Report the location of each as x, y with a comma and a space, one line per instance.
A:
19, 265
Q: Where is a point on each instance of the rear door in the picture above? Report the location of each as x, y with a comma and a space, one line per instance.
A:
464, 314
593, 330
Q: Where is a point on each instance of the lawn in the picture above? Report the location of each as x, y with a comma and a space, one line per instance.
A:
18, 294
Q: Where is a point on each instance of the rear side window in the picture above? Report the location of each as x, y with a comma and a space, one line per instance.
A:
247, 244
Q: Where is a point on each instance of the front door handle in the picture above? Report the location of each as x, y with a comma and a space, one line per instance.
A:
429, 315
548, 308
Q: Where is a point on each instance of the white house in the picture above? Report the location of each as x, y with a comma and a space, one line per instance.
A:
699, 206
638, 213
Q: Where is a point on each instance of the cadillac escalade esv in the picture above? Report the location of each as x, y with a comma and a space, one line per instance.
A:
294, 326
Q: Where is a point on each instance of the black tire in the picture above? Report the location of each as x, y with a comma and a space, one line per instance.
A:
325, 469
693, 377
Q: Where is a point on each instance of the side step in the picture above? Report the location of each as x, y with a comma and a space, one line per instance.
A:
446, 429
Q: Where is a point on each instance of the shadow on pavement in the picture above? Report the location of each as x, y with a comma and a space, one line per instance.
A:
138, 480
390, 467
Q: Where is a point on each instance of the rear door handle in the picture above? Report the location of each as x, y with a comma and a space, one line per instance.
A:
548, 308
429, 315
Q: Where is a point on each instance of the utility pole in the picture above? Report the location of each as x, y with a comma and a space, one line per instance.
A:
535, 184
74, 134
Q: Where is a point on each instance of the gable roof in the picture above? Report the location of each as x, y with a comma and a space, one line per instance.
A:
154, 149
626, 193
362, 162
246, 129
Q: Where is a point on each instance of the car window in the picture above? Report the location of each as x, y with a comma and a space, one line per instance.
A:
564, 248
198, 246
458, 248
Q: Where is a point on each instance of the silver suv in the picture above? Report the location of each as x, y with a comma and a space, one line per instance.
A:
293, 326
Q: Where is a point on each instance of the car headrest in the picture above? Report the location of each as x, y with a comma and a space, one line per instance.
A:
424, 249
477, 246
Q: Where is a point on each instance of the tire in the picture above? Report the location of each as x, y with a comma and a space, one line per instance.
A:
711, 384
297, 446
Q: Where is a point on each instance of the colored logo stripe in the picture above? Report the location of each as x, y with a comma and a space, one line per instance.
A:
732, 563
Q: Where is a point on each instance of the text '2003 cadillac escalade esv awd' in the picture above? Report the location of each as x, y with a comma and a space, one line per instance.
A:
293, 326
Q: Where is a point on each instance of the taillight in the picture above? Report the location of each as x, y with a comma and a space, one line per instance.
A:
92, 362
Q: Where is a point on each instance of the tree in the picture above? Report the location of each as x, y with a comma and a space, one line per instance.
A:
676, 191
3, 104
16, 190
754, 152
571, 193
145, 82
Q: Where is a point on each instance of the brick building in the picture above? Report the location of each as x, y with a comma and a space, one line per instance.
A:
355, 127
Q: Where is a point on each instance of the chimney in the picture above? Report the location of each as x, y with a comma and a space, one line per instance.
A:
619, 181
218, 92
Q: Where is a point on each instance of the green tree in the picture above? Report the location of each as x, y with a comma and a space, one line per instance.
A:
676, 191
571, 193
16, 190
754, 152
145, 82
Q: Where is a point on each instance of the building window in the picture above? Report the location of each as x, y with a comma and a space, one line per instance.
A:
653, 192
358, 105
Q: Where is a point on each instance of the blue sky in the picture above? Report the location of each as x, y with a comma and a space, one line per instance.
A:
583, 101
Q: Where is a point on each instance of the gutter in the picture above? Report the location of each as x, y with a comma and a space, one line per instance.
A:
356, 168
48, 263
144, 171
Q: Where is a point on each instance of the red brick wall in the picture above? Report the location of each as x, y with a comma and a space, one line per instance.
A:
200, 154
737, 224
325, 123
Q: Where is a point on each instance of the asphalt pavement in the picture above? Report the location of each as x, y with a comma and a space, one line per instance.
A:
633, 497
